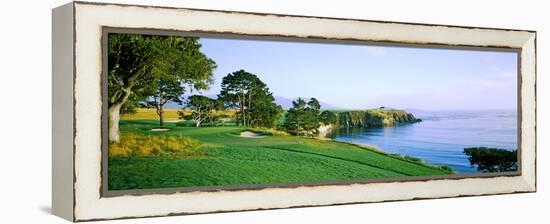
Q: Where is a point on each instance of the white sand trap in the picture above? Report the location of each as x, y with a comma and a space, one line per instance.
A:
160, 129
249, 134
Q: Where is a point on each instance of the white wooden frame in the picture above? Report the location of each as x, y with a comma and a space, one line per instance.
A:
77, 110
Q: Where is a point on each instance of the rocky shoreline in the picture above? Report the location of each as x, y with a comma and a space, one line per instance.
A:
375, 118
368, 118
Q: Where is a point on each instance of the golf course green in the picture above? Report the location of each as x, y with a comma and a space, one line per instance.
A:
221, 156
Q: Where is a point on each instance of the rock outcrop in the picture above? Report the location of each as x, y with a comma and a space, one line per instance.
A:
374, 118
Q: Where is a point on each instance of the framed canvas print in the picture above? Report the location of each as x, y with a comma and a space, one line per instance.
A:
169, 111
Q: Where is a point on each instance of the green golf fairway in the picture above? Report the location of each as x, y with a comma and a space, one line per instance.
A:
226, 158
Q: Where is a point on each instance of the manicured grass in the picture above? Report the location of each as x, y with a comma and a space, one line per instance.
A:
228, 159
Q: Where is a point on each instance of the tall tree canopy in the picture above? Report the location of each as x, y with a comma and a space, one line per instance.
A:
328, 117
303, 118
142, 66
167, 90
492, 159
246, 93
263, 111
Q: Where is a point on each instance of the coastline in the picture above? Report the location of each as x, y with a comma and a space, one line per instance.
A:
363, 145
324, 130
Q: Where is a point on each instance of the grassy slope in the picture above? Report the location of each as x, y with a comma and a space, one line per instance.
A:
230, 159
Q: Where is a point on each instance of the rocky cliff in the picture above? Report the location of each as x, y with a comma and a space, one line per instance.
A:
374, 118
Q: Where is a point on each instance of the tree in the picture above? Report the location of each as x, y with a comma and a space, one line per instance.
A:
128, 74
314, 104
166, 91
328, 117
136, 63
303, 118
294, 117
131, 105
202, 109
492, 159
246, 93
181, 64
311, 117
263, 111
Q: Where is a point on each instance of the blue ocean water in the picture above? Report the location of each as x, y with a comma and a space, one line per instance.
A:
441, 136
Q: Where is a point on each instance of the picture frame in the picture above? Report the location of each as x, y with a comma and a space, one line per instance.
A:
79, 120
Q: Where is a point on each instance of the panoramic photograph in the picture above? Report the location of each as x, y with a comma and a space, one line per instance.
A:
188, 111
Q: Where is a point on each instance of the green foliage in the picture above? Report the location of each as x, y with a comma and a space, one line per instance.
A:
141, 64
129, 57
329, 117
264, 112
246, 93
228, 159
179, 63
202, 110
131, 106
167, 90
153, 69
303, 118
492, 159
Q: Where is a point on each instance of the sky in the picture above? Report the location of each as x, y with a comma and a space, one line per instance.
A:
361, 77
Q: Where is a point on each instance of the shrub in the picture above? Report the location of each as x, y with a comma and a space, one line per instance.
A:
492, 159
329, 117
155, 145
414, 159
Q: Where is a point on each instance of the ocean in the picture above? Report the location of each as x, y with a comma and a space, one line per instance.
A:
441, 136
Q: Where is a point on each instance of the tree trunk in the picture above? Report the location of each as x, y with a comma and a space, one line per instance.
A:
243, 114
161, 115
249, 100
114, 113
114, 118
160, 112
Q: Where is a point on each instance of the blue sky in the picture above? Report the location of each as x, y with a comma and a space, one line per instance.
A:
362, 77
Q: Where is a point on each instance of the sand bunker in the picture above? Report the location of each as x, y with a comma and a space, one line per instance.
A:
249, 134
160, 129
